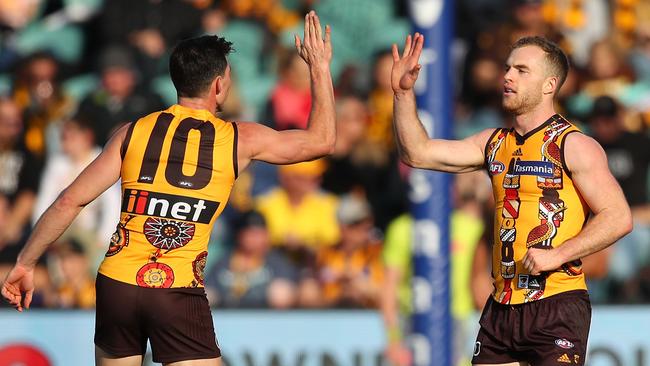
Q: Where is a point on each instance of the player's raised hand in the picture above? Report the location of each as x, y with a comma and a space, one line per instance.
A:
406, 68
313, 48
20, 280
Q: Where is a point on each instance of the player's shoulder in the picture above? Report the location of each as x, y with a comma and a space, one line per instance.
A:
252, 134
247, 128
151, 117
581, 152
581, 141
482, 138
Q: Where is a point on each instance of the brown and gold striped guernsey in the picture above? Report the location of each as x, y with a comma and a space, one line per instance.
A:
178, 168
537, 206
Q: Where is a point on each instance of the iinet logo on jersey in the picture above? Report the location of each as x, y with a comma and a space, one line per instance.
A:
168, 206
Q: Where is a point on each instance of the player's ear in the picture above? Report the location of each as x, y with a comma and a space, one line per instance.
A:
550, 85
217, 85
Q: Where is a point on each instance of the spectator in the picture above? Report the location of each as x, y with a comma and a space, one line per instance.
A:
354, 166
344, 166
14, 15
38, 93
97, 220
301, 217
526, 19
119, 100
628, 156
466, 229
19, 176
481, 107
252, 275
380, 102
271, 12
608, 73
17, 14
640, 55
148, 27
290, 100
75, 287
581, 22
351, 272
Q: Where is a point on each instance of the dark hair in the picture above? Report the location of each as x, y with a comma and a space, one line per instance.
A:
555, 57
249, 219
196, 62
604, 106
81, 121
84, 123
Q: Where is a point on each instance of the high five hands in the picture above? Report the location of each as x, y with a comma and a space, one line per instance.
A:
406, 69
315, 50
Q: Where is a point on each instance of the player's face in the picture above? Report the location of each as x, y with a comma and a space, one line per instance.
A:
524, 78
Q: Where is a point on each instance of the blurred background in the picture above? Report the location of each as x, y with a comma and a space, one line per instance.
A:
317, 253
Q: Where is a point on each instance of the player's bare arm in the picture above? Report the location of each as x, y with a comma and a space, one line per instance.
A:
415, 147
285, 147
102, 173
611, 219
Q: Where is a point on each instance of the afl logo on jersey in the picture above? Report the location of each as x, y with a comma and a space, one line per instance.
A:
496, 167
563, 343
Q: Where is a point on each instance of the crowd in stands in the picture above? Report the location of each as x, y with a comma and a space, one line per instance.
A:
329, 233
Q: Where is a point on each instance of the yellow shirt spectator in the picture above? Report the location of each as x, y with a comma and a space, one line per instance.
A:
298, 213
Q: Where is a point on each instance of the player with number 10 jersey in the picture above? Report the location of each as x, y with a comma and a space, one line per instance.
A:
173, 189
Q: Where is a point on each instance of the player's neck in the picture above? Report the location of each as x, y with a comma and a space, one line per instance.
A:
526, 122
198, 103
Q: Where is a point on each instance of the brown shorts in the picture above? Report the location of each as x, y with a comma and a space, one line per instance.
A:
176, 321
551, 331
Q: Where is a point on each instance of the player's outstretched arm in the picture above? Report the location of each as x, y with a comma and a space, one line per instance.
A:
102, 173
285, 147
415, 147
611, 219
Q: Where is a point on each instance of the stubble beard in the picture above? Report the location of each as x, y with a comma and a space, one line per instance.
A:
522, 104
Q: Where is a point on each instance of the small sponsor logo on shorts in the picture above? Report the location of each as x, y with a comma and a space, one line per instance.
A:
564, 359
496, 167
563, 343
477, 348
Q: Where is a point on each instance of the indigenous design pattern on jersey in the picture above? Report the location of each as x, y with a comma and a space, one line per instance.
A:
120, 237
167, 234
199, 268
537, 206
178, 168
155, 275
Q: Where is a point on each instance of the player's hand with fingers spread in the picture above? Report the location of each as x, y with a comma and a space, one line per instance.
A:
538, 260
313, 48
20, 280
406, 68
